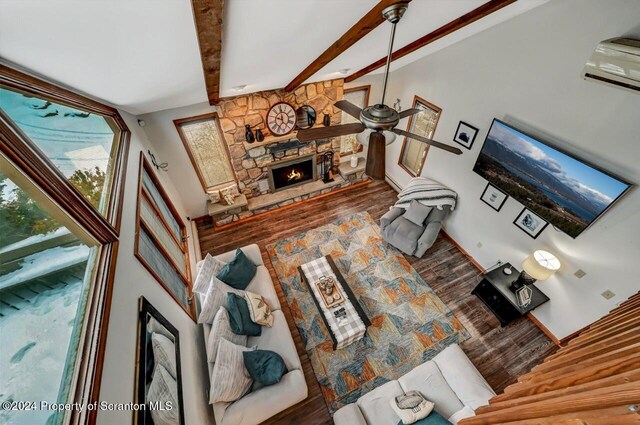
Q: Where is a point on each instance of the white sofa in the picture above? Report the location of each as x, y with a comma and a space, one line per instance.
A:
450, 380
263, 403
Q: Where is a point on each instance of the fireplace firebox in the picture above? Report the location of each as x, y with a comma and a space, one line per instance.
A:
294, 172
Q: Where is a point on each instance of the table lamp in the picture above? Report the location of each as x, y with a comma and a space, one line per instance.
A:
541, 265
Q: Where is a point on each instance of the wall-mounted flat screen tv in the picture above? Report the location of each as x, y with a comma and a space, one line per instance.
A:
567, 192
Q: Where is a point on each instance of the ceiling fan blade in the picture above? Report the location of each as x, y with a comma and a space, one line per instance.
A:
427, 141
375, 167
349, 108
326, 132
408, 112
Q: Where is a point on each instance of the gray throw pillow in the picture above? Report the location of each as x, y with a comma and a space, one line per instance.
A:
417, 213
208, 269
230, 380
221, 329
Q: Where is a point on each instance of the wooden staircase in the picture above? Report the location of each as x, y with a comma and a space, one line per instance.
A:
594, 380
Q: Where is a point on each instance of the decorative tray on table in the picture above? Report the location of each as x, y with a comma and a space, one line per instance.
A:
329, 292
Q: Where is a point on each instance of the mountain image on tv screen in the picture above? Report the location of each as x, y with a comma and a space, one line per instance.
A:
565, 191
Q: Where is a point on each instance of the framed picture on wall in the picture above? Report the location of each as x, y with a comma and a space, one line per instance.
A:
530, 223
493, 197
465, 134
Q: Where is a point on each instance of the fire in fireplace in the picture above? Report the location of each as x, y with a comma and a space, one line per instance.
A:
286, 174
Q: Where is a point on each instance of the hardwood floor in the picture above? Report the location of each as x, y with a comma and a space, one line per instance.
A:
500, 354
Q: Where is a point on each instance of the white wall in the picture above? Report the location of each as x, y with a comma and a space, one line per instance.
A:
167, 147
133, 280
527, 71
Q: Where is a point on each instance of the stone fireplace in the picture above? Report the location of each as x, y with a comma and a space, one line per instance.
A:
287, 174
279, 171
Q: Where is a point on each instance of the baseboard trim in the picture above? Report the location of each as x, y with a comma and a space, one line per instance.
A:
463, 251
394, 184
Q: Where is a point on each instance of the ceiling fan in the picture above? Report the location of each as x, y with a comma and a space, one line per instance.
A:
377, 118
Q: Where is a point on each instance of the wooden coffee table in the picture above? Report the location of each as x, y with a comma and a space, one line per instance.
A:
354, 325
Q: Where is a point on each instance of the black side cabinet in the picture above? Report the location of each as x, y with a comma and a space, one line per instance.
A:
494, 292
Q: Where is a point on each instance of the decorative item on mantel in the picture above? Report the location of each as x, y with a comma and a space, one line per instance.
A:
326, 120
327, 166
305, 116
353, 161
224, 195
248, 134
259, 135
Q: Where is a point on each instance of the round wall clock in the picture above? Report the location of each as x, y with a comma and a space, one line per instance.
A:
281, 119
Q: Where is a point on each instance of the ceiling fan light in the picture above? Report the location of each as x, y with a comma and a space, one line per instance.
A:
363, 138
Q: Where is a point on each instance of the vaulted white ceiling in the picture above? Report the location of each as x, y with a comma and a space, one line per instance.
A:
142, 55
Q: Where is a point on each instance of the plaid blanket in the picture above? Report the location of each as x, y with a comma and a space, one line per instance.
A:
428, 192
350, 330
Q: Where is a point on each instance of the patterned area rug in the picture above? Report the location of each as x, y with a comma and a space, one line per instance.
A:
410, 324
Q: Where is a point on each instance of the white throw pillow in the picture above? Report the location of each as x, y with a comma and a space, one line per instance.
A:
215, 298
230, 380
411, 407
164, 390
220, 329
258, 309
209, 268
164, 352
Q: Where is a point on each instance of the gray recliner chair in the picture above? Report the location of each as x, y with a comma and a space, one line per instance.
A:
409, 237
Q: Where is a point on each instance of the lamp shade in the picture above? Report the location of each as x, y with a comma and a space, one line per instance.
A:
541, 265
363, 137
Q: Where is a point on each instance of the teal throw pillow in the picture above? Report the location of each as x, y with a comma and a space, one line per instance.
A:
264, 366
434, 418
239, 272
239, 316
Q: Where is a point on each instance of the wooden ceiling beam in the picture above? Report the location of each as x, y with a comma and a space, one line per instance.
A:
364, 26
461, 22
207, 15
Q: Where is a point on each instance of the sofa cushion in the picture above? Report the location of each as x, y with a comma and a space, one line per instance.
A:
375, 404
221, 328
428, 380
264, 366
239, 272
463, 377
433, 419
417, 213
349, 415
404, 235
278, 338
207, 269
263, 285
216, 297
259, 309
411, 407
239, 317
258, 406
229, 380
251, 251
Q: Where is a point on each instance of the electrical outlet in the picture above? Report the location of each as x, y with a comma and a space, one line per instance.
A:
608, 294
479, 244
580, 273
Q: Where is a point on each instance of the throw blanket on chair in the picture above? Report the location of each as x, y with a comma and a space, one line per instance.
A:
428, 192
